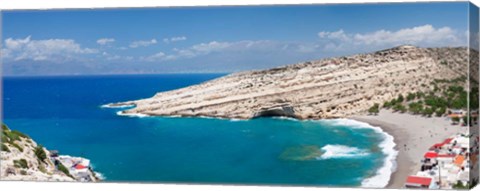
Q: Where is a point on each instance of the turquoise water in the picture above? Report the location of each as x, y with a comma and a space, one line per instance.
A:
64, 113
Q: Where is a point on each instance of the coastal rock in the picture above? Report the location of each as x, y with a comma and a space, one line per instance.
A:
327, 88
21, 158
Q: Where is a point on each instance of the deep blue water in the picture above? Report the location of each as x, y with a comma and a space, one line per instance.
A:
64, 113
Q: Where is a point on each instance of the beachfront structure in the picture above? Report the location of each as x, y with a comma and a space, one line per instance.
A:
445, 165
458, 114
419, 182
78, 167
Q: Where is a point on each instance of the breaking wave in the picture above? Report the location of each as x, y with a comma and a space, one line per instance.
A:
383, 174
342, 151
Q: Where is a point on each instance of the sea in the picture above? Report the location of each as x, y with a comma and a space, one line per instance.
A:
65, 113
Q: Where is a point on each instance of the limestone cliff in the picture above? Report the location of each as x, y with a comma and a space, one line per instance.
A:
21, 158
327, 88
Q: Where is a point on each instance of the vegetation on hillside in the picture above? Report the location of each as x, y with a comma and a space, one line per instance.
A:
40, 153
443, 96
22, 163
374, 109
64, 169
9, 137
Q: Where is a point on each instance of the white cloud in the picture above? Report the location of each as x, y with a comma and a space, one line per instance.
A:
136, 44
235, 47
337, 35
105, 41
160, 56
56, 50
174, 39
111, 57
425, 36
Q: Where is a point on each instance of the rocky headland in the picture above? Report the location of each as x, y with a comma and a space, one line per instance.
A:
326, 88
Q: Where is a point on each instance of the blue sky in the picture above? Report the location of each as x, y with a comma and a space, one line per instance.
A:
216, 39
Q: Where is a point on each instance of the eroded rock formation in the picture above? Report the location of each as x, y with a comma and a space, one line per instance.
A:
327, 88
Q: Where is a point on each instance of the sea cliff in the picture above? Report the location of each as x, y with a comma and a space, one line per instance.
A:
327, 88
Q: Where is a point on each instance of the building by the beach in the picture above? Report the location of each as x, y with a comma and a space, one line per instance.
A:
446, 165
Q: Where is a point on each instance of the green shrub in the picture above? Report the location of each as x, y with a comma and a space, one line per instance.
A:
9, 136
456, 89
440, 111
387, 104
63, 169
459, 185
411, 96
393, 102
12, 136
17, 146
19, 134
4, 138
5, 148
40, 153
22, 163
399, 107
415, 108
374, 109
400, 98
428, 111
420, 95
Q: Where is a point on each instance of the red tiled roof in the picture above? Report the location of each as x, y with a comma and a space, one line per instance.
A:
430, 155
419, 180
447, 155
79, 167
447, 141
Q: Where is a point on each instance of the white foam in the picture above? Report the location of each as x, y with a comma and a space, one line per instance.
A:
206, 117
237, 119
342, 151
383, 174
99, 175
286, 118
132, 114
117, 106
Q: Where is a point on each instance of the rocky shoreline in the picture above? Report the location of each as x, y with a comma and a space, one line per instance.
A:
21, 158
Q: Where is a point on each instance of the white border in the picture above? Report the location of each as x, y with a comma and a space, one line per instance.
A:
62, 4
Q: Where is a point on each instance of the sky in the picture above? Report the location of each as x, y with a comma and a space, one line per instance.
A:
216, 39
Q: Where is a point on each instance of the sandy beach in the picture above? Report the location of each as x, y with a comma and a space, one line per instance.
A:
413, 136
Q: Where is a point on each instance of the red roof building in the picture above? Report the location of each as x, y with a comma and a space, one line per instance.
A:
418, 182
435, 146
80, 167
446, 155
430, 155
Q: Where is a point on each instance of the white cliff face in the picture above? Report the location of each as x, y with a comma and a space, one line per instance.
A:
327, 88
34, 168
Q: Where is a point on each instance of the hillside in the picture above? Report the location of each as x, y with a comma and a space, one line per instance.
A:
327, 88
21, 158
